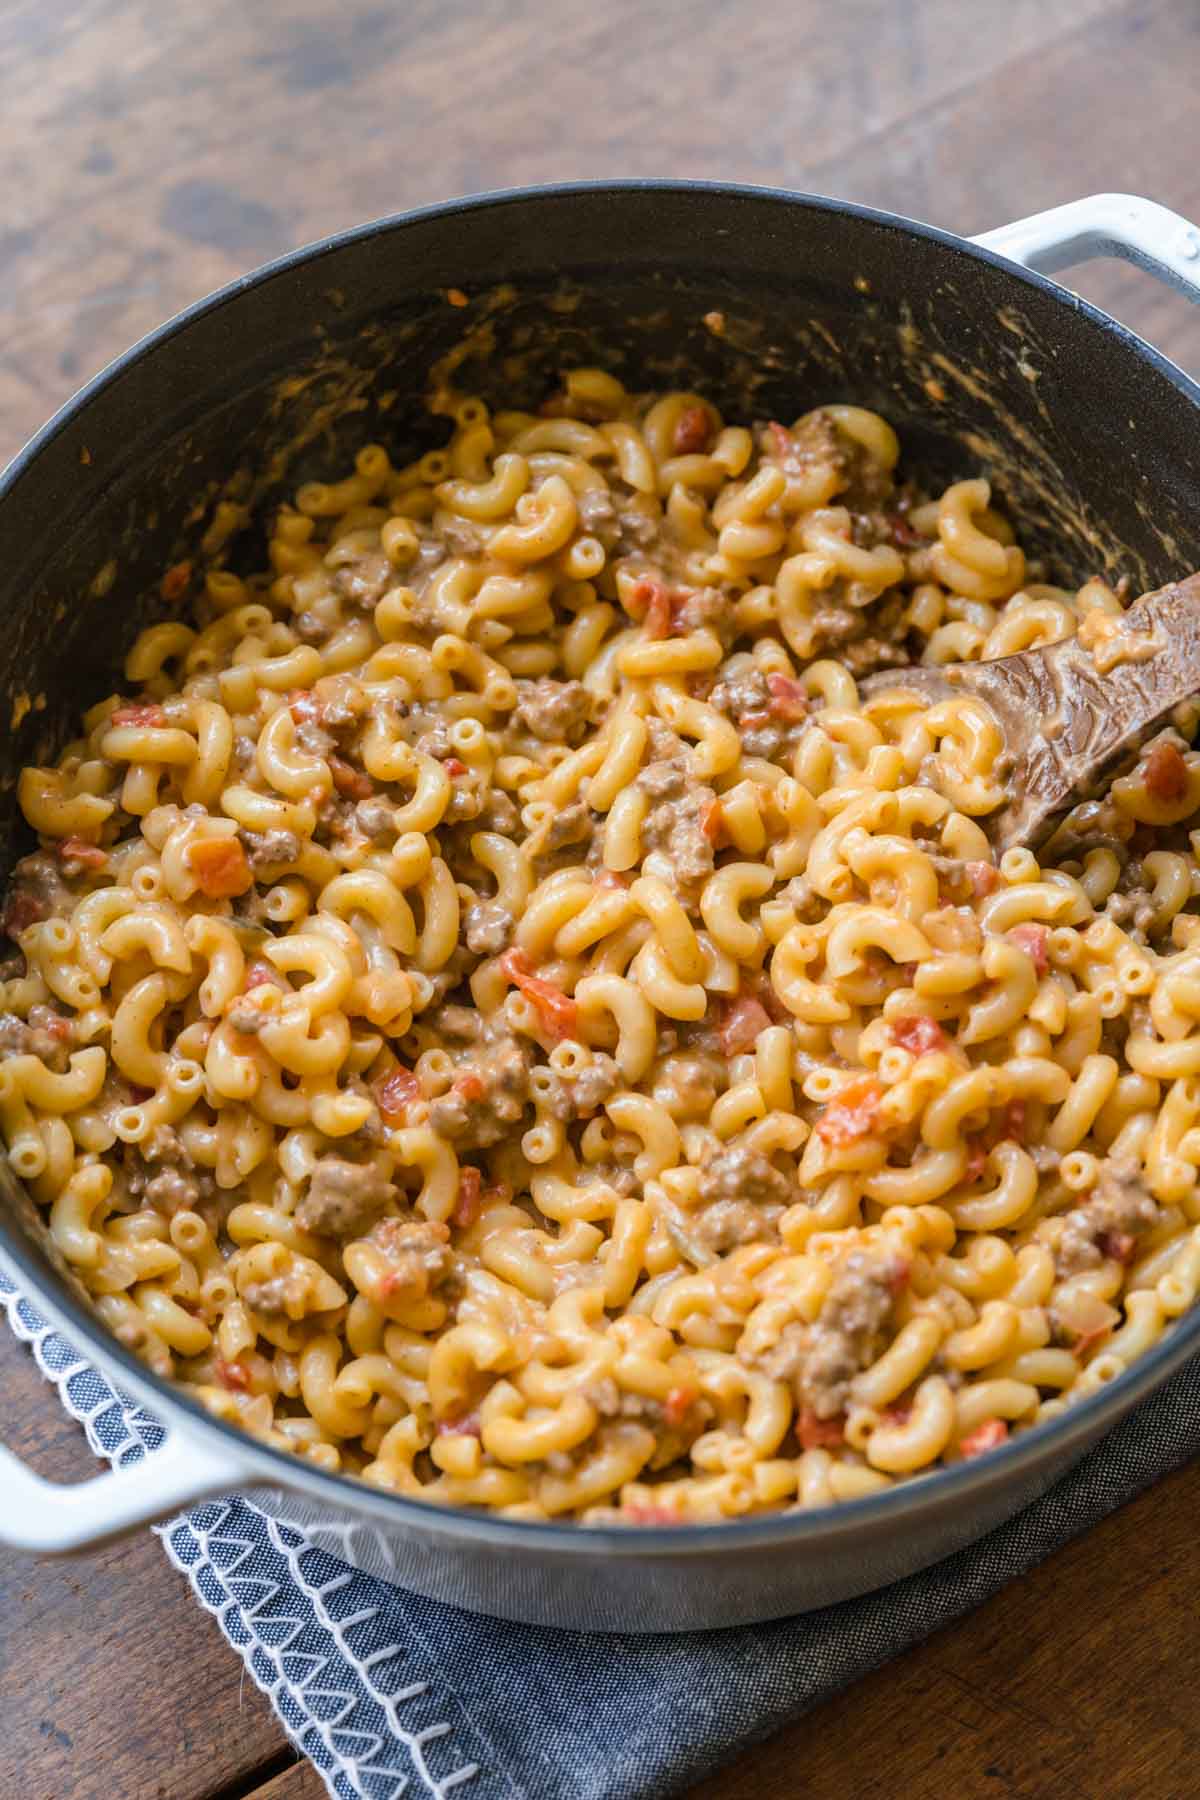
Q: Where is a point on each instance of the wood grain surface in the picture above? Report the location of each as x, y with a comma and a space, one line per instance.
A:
150, 152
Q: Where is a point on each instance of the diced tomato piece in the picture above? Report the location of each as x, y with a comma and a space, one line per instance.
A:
468, 1425
23, 910
611, 878
396, 1090
819, 1434
148, 714
976, 1159
1166, 774
897, 1280
782, 438
57, 1027
468, 1086
258, 974
777, 1012
1012, 1122
220, 867
744, 1022
1118, 1246
988, 1436
304, 706
454, 767
233, 1376
853, 1114
919, 1035
693, 431
789, 700
1032, 939
174, 583
896, 1415
712, 820
904, 537
650, 603
88, 856
678, 1404
350, 782
984, 878
559, 1013
466, 1209
650, 1515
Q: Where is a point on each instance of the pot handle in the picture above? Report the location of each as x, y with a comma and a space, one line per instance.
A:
1124, 225
47, 1517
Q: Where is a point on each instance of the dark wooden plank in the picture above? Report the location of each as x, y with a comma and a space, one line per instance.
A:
151, 153
192, 143
1078, 1679
299, 1781
114, 1682
1055, 122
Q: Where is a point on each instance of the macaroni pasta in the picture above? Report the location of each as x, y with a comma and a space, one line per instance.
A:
495, 1012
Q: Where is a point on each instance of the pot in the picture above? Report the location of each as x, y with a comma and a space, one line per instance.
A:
771, 303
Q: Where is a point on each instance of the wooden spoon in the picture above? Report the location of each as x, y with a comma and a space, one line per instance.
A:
1069, 724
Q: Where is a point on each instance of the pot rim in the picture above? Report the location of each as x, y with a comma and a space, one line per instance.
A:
940, 1490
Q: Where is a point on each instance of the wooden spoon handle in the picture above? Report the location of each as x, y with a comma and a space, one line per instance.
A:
1070, 716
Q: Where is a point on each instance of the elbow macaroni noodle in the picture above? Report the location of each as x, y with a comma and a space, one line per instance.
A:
498, 1013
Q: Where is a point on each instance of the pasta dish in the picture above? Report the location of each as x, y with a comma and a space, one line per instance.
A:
496, 1012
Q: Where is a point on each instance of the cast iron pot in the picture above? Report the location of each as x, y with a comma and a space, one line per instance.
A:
771, 303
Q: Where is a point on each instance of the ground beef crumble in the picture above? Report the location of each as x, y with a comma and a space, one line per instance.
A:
554, 711
418, 1253
742, 1195
489, 1093
343, 1198
46, 1034
1118, 1210
570, 1097
673, 828
161, 1173
822, 1359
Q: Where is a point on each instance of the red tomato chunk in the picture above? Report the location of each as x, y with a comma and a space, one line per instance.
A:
149, 715
819, 1434
233, 1376
1118, 1246
220, 867
988, 1436
852, 1115
559, 1013
466, 1210
743, 1024
1032, 939
395, 1091
650, 601
984, 878
919, 1035
174, 582
678, 1403
350, 782
789, 698
88, 856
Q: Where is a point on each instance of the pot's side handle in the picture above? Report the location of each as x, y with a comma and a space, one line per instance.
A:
45, 1517
1140, 231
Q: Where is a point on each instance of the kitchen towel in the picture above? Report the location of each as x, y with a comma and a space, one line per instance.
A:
391, 1695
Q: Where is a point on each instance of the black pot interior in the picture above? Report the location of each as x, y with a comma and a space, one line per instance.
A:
1088, 439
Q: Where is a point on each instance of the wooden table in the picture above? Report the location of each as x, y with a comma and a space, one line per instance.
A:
149, 152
